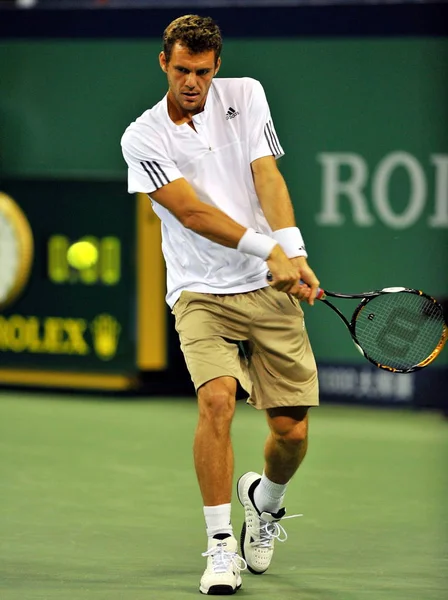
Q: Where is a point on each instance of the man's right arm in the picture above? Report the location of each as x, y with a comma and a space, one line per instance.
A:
152, 172
180, 199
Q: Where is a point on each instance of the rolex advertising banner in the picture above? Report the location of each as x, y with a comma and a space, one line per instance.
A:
364, 124
68, 327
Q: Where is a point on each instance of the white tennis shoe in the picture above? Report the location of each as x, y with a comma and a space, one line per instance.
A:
260, 530
222, 575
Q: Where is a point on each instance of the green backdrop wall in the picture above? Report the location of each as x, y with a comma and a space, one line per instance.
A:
364, 124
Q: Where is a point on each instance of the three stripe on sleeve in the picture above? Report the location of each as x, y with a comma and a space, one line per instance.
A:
272, 139
155, 173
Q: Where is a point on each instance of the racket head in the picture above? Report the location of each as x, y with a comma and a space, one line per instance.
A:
399, 329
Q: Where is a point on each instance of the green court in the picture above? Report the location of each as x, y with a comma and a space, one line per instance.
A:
99, 501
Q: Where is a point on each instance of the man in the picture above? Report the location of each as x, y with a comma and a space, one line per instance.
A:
206, 155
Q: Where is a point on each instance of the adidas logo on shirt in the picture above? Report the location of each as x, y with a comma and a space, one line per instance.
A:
231, 113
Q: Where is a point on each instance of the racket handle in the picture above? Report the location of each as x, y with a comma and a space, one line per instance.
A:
320, 292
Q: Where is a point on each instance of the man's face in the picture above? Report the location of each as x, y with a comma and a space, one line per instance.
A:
189, 76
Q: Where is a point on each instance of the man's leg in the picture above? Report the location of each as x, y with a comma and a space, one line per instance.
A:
213, 453
287, 442
213, 459
262, 497
284, 451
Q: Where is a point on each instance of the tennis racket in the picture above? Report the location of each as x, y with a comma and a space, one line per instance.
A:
396, 328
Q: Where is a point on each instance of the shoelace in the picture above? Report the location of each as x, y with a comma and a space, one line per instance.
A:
270, 531
222, 559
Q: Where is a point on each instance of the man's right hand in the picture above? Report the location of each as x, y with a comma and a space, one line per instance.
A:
284, 274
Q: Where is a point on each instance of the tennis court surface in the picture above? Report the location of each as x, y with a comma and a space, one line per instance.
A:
98, 500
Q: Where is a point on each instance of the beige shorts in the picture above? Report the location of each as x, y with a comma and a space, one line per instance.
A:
277, 367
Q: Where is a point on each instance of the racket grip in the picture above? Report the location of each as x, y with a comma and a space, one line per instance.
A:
320, 292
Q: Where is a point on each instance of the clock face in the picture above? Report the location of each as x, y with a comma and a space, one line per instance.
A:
9, 257
16, 250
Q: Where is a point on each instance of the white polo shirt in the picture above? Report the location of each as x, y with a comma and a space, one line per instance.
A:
234, 129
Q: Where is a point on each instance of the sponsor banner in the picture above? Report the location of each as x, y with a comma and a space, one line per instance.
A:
365, 384
60, 336
364, 125
65, 319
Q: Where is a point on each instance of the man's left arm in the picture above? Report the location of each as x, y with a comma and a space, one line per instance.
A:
277, 207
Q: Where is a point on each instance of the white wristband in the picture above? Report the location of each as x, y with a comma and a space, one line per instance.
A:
291, 240
257, 244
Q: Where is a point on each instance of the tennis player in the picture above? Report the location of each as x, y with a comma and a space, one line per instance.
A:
206, 156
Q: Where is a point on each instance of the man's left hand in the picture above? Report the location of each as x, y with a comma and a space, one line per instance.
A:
308, 289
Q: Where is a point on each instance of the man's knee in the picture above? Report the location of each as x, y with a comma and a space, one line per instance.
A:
216, 399
289, 426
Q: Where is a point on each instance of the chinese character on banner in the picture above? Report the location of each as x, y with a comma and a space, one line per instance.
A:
385, 384
404, 387
366, 384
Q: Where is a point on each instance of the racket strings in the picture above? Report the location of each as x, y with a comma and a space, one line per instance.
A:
400, 330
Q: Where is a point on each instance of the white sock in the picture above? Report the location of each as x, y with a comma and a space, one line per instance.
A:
217, 519
268, 496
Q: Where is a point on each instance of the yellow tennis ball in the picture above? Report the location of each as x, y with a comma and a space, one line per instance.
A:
82, 255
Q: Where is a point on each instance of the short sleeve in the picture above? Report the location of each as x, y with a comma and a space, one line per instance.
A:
263, 137
149, 167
